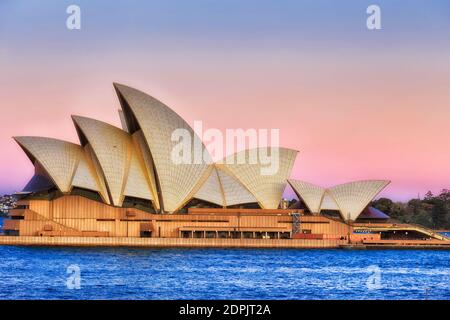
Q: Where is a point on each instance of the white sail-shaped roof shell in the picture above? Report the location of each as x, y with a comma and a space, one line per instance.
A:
235, 193
100, 177
120, 163
85, 175
353, 197
350, 199
138, 162
310, 193
123, 121
137, 184
158, 122
222, 189
328, 202
266, 188
211, 189
58, 158
144, 154
112, 147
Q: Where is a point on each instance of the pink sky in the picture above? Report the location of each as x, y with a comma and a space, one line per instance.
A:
356, 103
351, 115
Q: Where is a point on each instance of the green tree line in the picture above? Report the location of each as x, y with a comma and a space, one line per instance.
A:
433, 211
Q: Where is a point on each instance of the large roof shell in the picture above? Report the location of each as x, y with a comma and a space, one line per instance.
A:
353, 197
138, 162
328, 202
310, 193
247, 167
137, 185
58, 158
222, 189
211, 190
112, 147
85, 175
143, 152
158, 122
235, 193
350, 199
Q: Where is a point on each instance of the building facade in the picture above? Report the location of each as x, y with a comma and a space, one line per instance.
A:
123, 182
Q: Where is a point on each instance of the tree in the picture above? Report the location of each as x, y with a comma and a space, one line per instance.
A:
415, 206
398, 211
445, 196
433, 211
439, 213
423, 219
429, 196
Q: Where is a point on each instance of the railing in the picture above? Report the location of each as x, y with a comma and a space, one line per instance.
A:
407, 242
403, 226
431, 232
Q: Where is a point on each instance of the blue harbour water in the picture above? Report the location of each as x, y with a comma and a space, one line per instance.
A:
125, 273
130, 273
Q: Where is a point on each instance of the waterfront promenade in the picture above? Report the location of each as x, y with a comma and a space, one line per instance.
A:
216, 243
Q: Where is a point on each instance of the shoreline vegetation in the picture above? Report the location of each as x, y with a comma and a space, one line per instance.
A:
433, 211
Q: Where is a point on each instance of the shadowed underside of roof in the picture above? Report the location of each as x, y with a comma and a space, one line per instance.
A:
40, 181
373, 213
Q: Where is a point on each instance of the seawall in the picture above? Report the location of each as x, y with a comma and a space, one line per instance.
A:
168, 242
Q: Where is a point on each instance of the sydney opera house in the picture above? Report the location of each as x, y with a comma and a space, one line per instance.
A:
120, 186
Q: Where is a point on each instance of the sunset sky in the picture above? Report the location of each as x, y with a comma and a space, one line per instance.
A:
356, 103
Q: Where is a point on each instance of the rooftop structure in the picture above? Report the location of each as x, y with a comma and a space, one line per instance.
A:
350, 199
134, 162
119, 185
